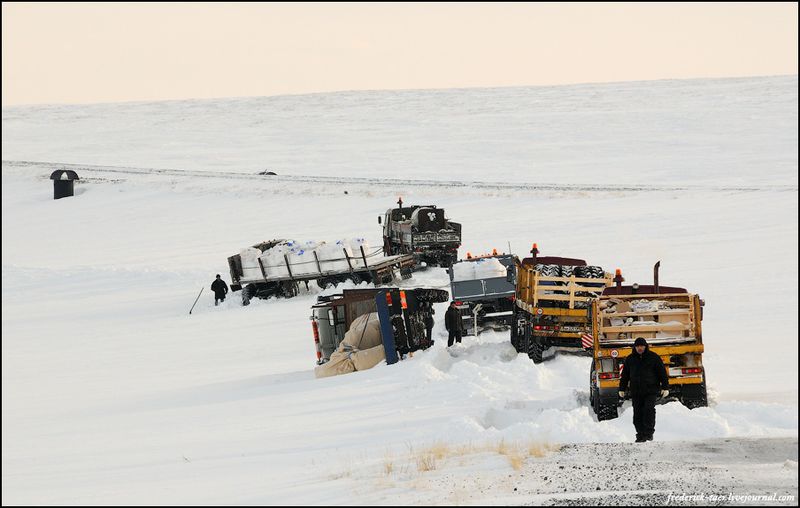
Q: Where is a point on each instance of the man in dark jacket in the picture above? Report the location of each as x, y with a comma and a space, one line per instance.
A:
220, 290
648, 380
452, 321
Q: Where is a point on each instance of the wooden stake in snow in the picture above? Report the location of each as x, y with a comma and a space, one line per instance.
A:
195, 300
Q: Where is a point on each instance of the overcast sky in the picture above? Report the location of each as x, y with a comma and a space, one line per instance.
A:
83, 53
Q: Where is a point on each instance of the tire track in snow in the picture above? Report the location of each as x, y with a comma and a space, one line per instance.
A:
450, 184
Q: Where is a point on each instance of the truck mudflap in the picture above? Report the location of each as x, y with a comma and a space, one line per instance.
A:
387, 330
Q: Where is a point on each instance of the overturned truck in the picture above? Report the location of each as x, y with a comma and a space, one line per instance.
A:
277, 267
359, 328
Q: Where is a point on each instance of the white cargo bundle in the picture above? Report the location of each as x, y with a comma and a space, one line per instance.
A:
301, 258
479, 269
273, 261
331, 256
489, 268
355, 247
302, 261
250, 268
464, 270
649, 305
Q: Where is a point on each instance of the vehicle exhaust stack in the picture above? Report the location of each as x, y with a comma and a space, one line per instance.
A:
655, 276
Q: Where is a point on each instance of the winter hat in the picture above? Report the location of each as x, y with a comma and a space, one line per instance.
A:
640, 342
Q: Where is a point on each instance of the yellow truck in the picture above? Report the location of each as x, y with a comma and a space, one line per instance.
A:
552, 301
669, 318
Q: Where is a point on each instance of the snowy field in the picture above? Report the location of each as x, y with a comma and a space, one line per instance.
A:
113, 394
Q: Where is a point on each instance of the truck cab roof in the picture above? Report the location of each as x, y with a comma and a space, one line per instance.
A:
642, 290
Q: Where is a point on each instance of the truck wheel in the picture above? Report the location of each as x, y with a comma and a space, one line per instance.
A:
325, 282
516, 324
605, 411
535, 350
515, 341
289, 289
548, 271
248, 292
694, 396
447, 260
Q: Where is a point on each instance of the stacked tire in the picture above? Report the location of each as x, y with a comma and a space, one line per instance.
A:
550, 271
588, 272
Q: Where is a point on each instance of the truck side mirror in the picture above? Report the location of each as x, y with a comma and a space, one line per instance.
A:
331, 317
379, 219
510, 275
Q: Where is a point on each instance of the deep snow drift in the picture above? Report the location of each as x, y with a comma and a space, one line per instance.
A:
112, 393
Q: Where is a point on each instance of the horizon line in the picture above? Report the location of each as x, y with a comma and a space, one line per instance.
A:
433, 89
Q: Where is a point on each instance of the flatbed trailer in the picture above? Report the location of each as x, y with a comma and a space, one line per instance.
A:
283, 279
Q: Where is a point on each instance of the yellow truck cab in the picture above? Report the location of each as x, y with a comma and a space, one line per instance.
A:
669, 318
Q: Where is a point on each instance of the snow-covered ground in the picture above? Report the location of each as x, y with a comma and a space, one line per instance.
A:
741, 130
112, 393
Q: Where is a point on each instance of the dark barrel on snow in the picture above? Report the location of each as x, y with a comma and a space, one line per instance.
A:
63, 183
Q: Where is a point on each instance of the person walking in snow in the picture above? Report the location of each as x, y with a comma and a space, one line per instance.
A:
452, 321
220, 290
645, 378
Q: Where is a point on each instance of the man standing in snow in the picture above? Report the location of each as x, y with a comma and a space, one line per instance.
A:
648, 380
452, 321
220, 290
